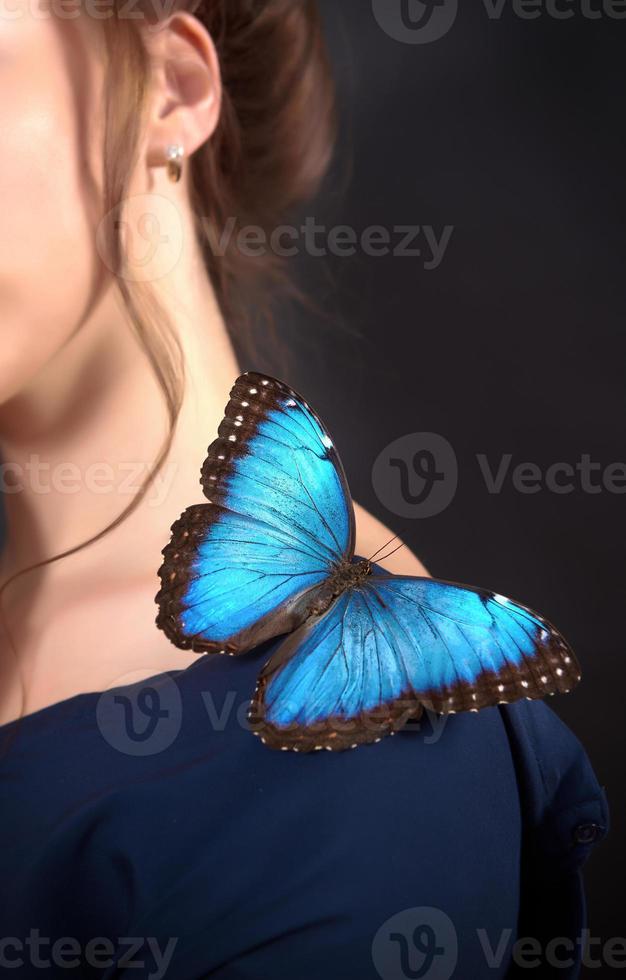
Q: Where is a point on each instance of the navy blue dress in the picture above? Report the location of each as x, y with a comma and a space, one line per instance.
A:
146, 833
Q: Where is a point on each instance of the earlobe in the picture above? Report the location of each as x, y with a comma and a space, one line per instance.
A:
186, 91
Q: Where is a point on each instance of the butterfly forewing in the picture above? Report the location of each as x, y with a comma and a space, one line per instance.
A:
246, 566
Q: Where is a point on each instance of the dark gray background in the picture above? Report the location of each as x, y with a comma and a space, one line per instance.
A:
511, 131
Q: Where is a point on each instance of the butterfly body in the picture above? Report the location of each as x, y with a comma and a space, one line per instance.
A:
347, 575
271, 553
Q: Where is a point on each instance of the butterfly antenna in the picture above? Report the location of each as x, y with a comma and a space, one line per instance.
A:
378, 551
384, 557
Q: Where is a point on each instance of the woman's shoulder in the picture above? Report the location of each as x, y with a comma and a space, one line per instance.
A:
178, 724
152, 810
166, 775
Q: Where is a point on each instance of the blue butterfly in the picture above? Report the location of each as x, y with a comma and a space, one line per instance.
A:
272, 553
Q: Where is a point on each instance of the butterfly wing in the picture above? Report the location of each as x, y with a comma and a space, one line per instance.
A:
392, 646
246, 566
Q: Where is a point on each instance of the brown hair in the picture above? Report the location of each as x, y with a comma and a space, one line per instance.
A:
270, 150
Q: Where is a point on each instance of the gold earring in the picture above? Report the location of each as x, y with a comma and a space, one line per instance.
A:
174, 155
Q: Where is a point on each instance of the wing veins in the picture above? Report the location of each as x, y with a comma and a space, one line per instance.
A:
377, 628
235, 588
280, 528
340, 552
273, 509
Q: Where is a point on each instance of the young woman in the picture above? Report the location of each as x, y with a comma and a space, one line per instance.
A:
137, 142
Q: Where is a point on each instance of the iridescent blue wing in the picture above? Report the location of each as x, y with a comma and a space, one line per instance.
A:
247, 565
391, 646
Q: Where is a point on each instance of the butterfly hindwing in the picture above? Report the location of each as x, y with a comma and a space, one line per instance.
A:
392, 646
245, 566
334, 683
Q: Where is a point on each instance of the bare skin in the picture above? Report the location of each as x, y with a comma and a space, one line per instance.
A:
81, 416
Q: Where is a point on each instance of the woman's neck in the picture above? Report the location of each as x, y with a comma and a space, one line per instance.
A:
77, 446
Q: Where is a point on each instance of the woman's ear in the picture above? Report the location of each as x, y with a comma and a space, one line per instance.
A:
186, 91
